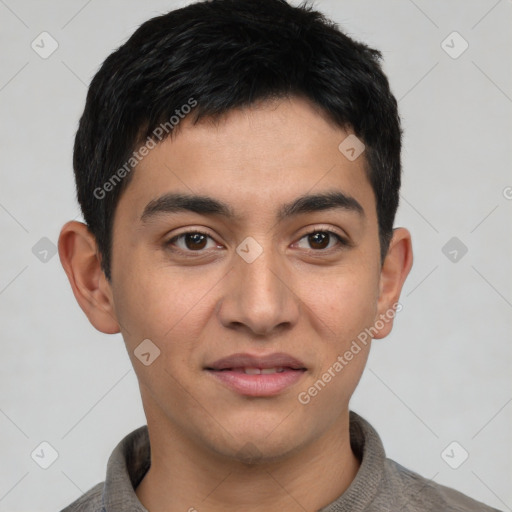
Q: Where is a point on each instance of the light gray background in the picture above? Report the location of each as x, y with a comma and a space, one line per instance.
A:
443, 375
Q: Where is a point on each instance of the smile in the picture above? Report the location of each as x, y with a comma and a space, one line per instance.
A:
257, 376
256, 371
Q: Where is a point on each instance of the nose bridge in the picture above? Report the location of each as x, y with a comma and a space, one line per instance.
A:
259, 296
260, 276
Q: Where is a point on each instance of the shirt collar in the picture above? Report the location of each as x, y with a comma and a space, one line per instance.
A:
126, 467
367, 446
131, 459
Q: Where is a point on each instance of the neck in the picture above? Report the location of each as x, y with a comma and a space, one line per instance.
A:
182, 477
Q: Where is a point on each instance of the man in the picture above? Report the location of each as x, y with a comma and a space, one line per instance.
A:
238, 168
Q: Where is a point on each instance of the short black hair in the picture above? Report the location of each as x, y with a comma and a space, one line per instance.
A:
216, 56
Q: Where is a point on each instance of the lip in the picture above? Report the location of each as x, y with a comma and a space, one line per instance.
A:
229, 371
244, 360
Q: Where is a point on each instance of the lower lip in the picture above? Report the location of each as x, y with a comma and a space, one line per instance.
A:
269, 384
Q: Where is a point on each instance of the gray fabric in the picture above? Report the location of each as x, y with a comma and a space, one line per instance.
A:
381, 485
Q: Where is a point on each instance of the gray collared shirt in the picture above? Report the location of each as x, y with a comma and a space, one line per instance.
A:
381, 485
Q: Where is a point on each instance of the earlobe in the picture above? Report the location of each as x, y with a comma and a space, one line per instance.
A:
395, 269
80, 259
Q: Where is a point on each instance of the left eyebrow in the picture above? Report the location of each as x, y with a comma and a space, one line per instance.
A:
204, 205
320, 202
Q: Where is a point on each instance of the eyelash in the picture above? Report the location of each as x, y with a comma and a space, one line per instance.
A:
341, 241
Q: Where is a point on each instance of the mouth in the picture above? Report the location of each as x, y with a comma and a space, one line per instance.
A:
257, 371
257, 376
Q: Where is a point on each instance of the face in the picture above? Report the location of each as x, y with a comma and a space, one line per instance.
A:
251, 296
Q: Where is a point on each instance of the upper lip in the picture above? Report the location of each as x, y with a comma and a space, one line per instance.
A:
278, 359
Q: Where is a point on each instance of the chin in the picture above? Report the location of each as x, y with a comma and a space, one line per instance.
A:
255, 445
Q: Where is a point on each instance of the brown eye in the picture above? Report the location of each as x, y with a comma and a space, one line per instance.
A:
319, 240
192, 241
322, 240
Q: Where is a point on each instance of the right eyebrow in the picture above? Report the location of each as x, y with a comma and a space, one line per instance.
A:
173, 203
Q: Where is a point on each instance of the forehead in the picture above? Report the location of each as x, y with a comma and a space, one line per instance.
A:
253, 160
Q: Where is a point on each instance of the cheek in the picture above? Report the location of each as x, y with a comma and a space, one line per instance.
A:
151, 300
155, 307
345, 308
342, 308
166, 305
342, 305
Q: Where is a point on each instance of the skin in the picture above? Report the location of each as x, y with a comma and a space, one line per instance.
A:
212, 448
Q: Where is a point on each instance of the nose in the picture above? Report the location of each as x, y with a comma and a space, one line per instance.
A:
259, 296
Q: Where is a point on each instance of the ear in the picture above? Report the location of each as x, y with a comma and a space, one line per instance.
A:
80, 258
394, 271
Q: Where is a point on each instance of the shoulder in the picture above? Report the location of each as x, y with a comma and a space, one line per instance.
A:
91, 501
418, 494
